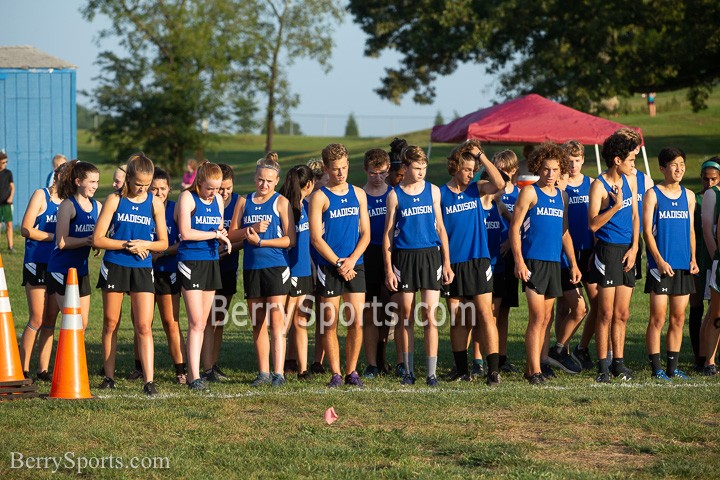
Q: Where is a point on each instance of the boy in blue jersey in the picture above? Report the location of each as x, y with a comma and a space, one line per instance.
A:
340, 232
613, 217
670, 239
541, 212
416, 257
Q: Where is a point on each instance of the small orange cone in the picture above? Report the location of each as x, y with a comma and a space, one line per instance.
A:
10, 365
70, 378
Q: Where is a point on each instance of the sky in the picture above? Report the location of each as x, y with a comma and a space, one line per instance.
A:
57, 28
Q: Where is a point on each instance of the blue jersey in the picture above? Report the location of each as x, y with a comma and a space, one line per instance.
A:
415, 227
671, 229
377, 209
231, 261
618, 230
464, 222
509, 199
168, 263
300, 253
257, 258
206, 217
36, 251
496, 229
640, 195
82, 226
341, 224
543, 227
131, 221
578, 204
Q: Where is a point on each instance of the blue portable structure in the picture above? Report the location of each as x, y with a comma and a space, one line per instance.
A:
38, 117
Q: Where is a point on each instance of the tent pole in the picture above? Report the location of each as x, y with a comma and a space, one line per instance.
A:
429, 149
597, 158
647, 166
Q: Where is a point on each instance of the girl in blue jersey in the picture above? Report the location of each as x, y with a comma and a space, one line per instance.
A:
463, 216
76, 218
376, 323
229, 263
201, 226
265, 220
38, 228
125, 231
416, 257
167, 283
297, 187
670, 239
613, 217
340, 232
541, 213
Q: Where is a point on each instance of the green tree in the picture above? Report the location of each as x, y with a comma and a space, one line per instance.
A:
351, 127
85, 117
185, 65
439, 120
287, 127
575, 52
288, 30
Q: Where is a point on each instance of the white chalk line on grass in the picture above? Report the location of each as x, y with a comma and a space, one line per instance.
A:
443, 390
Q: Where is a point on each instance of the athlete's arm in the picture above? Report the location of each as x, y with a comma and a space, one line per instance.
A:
34, 208
708, 221
526, 200
391, 204
235, 233
447, 273
495, 182
598, 196
629, 257
319, 202
691, 208
348, 265
567, 243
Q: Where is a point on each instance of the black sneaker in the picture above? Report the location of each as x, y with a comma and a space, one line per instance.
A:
400, 370
508, 367
107, 383
709, 371
563, 361
219, 374
535, 378
210, 375
371, 371
582, 356
547, 371
604, 377
478, 369
149, 389
317, 367
290, 366
44, 376
621, 372
431, 381
305, 376
456, 376
197, 384
493, 379
136, 374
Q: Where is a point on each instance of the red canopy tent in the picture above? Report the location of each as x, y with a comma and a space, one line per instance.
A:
530, 119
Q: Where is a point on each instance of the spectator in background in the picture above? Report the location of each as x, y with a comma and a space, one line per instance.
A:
189, 175
57, 160
7, 192
651, 103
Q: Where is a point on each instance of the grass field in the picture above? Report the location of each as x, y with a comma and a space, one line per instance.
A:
571, 428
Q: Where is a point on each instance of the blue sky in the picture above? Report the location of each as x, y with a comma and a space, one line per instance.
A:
57, 28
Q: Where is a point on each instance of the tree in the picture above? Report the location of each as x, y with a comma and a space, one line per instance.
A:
85, 117
186, 65
287, 127
351, 127
575, 52
439, 120
288, 30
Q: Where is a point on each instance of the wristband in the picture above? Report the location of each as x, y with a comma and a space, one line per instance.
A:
259, 243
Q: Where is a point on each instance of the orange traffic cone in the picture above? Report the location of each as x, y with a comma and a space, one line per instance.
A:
10, 365
70, 378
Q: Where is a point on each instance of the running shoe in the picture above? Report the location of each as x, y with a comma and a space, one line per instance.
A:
27, 376
335, 381
149, 389
661, 376
400, 370
408, 379
107, 383
478, 368
508, 367
535, 378
621, 372
582, 356
278, 380
136, 374
181, 379
371, 371
353, 379
678, 374
317, 367
44, 376
604, 377
431, 381
305, 376
710, 371
456, 376
547, 371
563, 361
260, 380
210, 375
493, 379
291, 366
219, 374
198, 384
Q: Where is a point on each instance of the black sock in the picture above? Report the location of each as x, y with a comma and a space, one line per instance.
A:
461, 362
138, 365
673, 358
380, 356
603, 366
616, 364
655, 363
696, 314
180, 368
503, 359
493, 363
700, 363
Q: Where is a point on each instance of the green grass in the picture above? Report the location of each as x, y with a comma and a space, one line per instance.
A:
571, 428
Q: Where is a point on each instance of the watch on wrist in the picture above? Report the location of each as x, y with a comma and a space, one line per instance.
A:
339, 263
